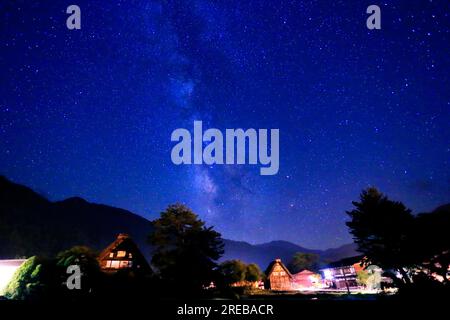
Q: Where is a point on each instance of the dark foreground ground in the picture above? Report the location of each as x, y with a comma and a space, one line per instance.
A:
279, 307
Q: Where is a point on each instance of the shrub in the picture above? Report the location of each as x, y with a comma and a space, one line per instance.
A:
32, 281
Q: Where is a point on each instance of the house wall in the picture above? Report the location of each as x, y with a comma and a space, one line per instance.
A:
340, 275
279, 279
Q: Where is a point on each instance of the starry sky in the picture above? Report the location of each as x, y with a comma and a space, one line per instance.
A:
90, 112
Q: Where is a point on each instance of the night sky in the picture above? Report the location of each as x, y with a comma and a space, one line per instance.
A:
90, 112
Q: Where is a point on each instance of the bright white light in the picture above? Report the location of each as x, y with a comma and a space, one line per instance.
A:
7, 270
328, 274
6, 274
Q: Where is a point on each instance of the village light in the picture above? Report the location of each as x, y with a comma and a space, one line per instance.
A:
328, 274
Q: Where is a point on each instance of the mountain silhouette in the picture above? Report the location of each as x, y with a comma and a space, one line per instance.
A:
263, 254
32, 225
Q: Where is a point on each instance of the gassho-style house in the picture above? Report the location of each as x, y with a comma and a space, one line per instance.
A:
123, 253
338, 275
341, 275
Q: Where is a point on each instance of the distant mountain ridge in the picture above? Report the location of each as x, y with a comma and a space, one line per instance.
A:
32, 225
263, 254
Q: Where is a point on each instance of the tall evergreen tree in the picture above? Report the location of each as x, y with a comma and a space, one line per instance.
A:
381, 228
186, 250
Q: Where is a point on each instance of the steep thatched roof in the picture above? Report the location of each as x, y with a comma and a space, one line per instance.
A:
119, 240
124, 242
273, 264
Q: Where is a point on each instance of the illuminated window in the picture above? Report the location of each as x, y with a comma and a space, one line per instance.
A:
108, 264
275, 273
121, 254
111, 255
282, 273
347, 271
115, 264
130, 255
124, 264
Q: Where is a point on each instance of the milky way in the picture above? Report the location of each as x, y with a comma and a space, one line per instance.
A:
89, 112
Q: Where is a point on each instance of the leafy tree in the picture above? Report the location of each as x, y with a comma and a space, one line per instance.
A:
374, 280
432, 243
34, 280
370, 278
361, 277
253, 273
86, 259
185, 249
232, 271
301, 261
381, 228
40, 279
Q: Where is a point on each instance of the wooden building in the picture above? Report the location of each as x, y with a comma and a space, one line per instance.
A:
122, 254
342, 274
306, 279
278, 276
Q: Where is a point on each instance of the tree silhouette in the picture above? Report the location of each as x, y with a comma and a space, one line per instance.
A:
233, 271
382, 230
432, 242
253, 273
86, 259
301, 261
185, 249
